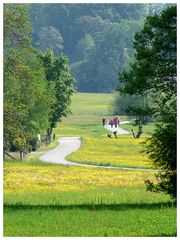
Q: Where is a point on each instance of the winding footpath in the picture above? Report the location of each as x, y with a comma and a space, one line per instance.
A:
68, 145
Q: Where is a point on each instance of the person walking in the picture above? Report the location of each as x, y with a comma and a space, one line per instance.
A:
115, 134
116, 122
103, 121
111, 122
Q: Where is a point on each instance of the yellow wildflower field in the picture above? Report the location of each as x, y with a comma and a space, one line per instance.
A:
19, 178
124, 151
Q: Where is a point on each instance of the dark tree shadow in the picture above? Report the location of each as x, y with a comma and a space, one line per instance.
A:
92, 206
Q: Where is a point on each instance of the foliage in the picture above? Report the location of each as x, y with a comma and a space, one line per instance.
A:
16, 28
29, 96
29, 101
154, 71
74, 21
92, 66
26, 106
93, 25
112, 49
133, 105
84, 46
13, 129
57, 73
51, 38
92, 33
162, 149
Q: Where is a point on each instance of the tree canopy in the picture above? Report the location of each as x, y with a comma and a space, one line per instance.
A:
153, 73
102, 32
57, 74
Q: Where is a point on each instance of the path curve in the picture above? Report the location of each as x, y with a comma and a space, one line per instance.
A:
68, 145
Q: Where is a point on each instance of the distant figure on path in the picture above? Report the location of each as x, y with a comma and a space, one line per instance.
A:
103, 121
116, 122
54, 136
115, 134
111, 122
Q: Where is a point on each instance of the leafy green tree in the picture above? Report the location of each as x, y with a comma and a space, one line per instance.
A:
154, 73
112, 49
27, 96
26, 91
57, 73
74, 21
51, 38
84, 46
16, 34
16, 28
134, 106
92, 25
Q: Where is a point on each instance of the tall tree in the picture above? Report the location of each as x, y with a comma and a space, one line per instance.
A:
27, 98
154, 73
84, 46
57, 73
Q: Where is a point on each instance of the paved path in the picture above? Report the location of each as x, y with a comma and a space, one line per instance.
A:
117, 129
68, 145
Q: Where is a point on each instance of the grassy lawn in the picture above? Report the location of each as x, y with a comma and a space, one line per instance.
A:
97, 149
42, 199
52, 200
92, 104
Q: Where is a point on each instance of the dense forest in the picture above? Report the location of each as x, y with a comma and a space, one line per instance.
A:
97, 38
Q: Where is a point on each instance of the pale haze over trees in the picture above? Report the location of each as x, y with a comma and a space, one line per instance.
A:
97, 38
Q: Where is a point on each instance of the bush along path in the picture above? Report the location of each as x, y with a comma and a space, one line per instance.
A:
68, 145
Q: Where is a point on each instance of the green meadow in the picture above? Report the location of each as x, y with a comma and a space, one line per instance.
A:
51, 200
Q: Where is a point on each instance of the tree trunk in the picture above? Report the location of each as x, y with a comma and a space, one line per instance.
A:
49, 135
21, 154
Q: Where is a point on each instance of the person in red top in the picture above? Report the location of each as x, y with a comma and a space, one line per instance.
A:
116, 122
111, 122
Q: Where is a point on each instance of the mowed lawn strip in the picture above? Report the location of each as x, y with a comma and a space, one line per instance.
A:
50, 221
